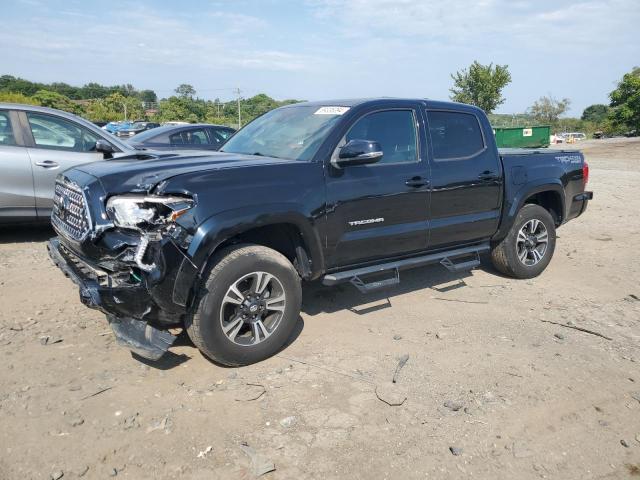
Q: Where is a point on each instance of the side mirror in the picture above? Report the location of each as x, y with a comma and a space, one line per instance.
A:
105, 147
358, 152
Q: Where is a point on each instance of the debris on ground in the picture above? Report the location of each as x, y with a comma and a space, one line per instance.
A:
457, 451
401, 363
96, 393
453, 406
391, 394
131, 422
251, 392
585, 330
57, 475
205, 452
259, 463
288, 421
162, 424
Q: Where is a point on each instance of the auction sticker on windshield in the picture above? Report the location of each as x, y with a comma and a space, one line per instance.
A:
331, 110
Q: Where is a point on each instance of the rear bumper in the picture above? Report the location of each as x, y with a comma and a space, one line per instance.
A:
579, 204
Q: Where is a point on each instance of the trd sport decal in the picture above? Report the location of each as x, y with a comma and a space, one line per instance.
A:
366, 222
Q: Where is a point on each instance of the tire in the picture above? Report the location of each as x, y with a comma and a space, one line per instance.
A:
505, 256
219, 307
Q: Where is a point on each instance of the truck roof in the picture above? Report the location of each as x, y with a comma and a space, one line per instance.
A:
353, 102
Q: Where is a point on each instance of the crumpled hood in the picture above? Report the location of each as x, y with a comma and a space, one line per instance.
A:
136, 175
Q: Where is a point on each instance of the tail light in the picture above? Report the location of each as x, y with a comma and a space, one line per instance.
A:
585, 173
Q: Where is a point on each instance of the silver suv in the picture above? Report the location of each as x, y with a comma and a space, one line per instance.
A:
37, 143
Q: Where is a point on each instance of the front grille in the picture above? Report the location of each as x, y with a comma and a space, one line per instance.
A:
69, 210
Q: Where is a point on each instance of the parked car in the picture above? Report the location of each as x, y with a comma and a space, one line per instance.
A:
342, 192
136, 128
37, 143
190, 136
570, 137
113, 127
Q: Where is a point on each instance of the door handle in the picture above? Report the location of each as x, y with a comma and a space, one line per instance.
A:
47, 164
417, 182
488, 176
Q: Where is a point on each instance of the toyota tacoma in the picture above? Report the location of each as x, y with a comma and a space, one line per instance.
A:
344, 191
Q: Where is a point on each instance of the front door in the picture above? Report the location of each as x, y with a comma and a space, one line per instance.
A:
379, 210
57, 145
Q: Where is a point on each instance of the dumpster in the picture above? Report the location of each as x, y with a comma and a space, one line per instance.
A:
522, 137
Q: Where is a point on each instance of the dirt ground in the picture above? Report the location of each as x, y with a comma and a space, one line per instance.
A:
492, 390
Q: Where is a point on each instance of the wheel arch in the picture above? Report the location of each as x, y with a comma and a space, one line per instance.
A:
280, 227
548, 193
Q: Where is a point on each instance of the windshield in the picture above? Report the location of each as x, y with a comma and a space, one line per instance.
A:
293, 133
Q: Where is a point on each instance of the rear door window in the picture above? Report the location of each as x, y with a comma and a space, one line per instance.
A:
6, 132
455, 135
189, 137
60, 134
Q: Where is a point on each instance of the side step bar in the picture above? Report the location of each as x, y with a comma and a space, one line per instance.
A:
445, 258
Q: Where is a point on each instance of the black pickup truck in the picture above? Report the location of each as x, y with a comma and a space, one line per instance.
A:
345, 191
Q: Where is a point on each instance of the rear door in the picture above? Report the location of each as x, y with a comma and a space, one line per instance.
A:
16, 180
56, 144
466, 179
380, 210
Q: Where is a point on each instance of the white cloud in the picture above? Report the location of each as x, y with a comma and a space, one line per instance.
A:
456, 23
142, 36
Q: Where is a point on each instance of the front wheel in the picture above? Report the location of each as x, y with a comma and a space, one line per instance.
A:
528, 247
248, 308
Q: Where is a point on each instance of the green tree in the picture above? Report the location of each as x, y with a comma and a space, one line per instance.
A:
595, 113
185, 90
548, 110
181, 109
112, 108
625, 102
481, 85
148, 96
56, 100
12, 97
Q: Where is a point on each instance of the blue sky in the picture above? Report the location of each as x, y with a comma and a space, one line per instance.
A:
322, 49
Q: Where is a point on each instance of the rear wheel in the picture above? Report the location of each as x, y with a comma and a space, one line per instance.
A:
249, 306
528, 247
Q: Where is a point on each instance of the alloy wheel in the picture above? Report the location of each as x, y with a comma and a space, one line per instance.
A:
532, 242
252, 308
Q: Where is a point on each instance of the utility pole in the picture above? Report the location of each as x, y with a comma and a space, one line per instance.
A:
239, 117
125, 111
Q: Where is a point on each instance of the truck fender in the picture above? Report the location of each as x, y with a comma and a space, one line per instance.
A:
512, 208
225, 225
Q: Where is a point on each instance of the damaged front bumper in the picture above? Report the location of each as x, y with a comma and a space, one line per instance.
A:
140, 303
